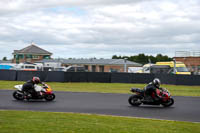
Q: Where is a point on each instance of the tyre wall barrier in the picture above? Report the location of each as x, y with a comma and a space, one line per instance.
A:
54, 76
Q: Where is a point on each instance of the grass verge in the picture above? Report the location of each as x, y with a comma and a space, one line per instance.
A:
51, 122
176, 90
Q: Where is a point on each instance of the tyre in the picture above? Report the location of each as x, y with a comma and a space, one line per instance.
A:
135, 100
18, 96
169, 103
50, 97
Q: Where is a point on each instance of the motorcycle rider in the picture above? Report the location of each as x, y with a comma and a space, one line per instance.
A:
151, 88
28, 87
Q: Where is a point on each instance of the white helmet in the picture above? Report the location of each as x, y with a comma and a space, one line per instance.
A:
156, 82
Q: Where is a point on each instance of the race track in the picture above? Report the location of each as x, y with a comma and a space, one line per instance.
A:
184, 109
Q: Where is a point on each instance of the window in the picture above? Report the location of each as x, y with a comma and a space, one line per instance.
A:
114, 70
101, 68
146, 68
30, 67
182, 69
86, 67
35, 56
93, 68
28, 56
19, 56
46, 57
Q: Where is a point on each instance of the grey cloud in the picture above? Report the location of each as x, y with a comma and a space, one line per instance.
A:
101, 33
18, 6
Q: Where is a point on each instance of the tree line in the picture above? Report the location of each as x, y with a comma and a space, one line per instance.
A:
144, 59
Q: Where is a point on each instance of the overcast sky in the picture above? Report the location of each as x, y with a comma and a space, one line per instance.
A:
100, 28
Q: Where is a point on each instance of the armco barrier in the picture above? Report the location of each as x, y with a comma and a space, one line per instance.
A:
8, 75
54, 76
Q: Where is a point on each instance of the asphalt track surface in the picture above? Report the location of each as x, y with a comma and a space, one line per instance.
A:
184, 109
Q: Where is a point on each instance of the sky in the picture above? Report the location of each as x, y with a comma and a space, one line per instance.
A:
100, 28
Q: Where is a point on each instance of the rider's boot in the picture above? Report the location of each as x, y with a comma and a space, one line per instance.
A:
27, 95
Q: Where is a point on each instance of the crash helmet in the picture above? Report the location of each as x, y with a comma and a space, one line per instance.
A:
156, 82
36, 80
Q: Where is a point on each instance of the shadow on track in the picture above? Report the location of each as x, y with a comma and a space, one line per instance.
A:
151, 107
33, 101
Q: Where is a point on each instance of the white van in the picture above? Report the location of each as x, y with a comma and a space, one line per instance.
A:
27, 67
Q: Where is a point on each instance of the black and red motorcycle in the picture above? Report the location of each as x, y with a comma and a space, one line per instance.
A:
139, 98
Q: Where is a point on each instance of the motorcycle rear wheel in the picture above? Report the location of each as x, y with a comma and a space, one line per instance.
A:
169, 103
135, 100
50, 97
18, 96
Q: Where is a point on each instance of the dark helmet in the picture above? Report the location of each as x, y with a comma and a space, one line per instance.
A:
36, 80
156, 82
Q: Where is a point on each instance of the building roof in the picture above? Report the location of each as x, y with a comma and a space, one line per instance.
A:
32, 49
92, 61
195, 53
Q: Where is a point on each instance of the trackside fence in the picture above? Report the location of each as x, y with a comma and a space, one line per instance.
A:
102, 77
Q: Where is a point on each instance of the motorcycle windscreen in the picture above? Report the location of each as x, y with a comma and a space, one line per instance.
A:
38, 88
19, 87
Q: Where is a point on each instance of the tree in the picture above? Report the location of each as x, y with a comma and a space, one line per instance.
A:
114, 57
144, 59
4, 58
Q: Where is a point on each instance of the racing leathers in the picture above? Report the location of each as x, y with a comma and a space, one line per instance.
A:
28, 88
149, 90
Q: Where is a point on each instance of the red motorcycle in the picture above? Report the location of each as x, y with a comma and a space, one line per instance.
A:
165, 98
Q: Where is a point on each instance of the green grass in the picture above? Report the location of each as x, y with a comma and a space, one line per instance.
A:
176, 90
48, 122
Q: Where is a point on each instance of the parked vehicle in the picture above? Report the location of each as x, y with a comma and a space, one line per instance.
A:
170, 67
75, 69
45, 92
27, 67
5, 67
139, 98
145, 69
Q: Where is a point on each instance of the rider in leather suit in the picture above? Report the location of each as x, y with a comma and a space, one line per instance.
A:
28, 87
151, 88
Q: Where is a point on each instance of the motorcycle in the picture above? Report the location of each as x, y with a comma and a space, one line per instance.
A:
43, 92
165, 98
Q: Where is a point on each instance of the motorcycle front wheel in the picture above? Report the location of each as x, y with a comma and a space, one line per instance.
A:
169, 103
50, 97
18, 96
135, 100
